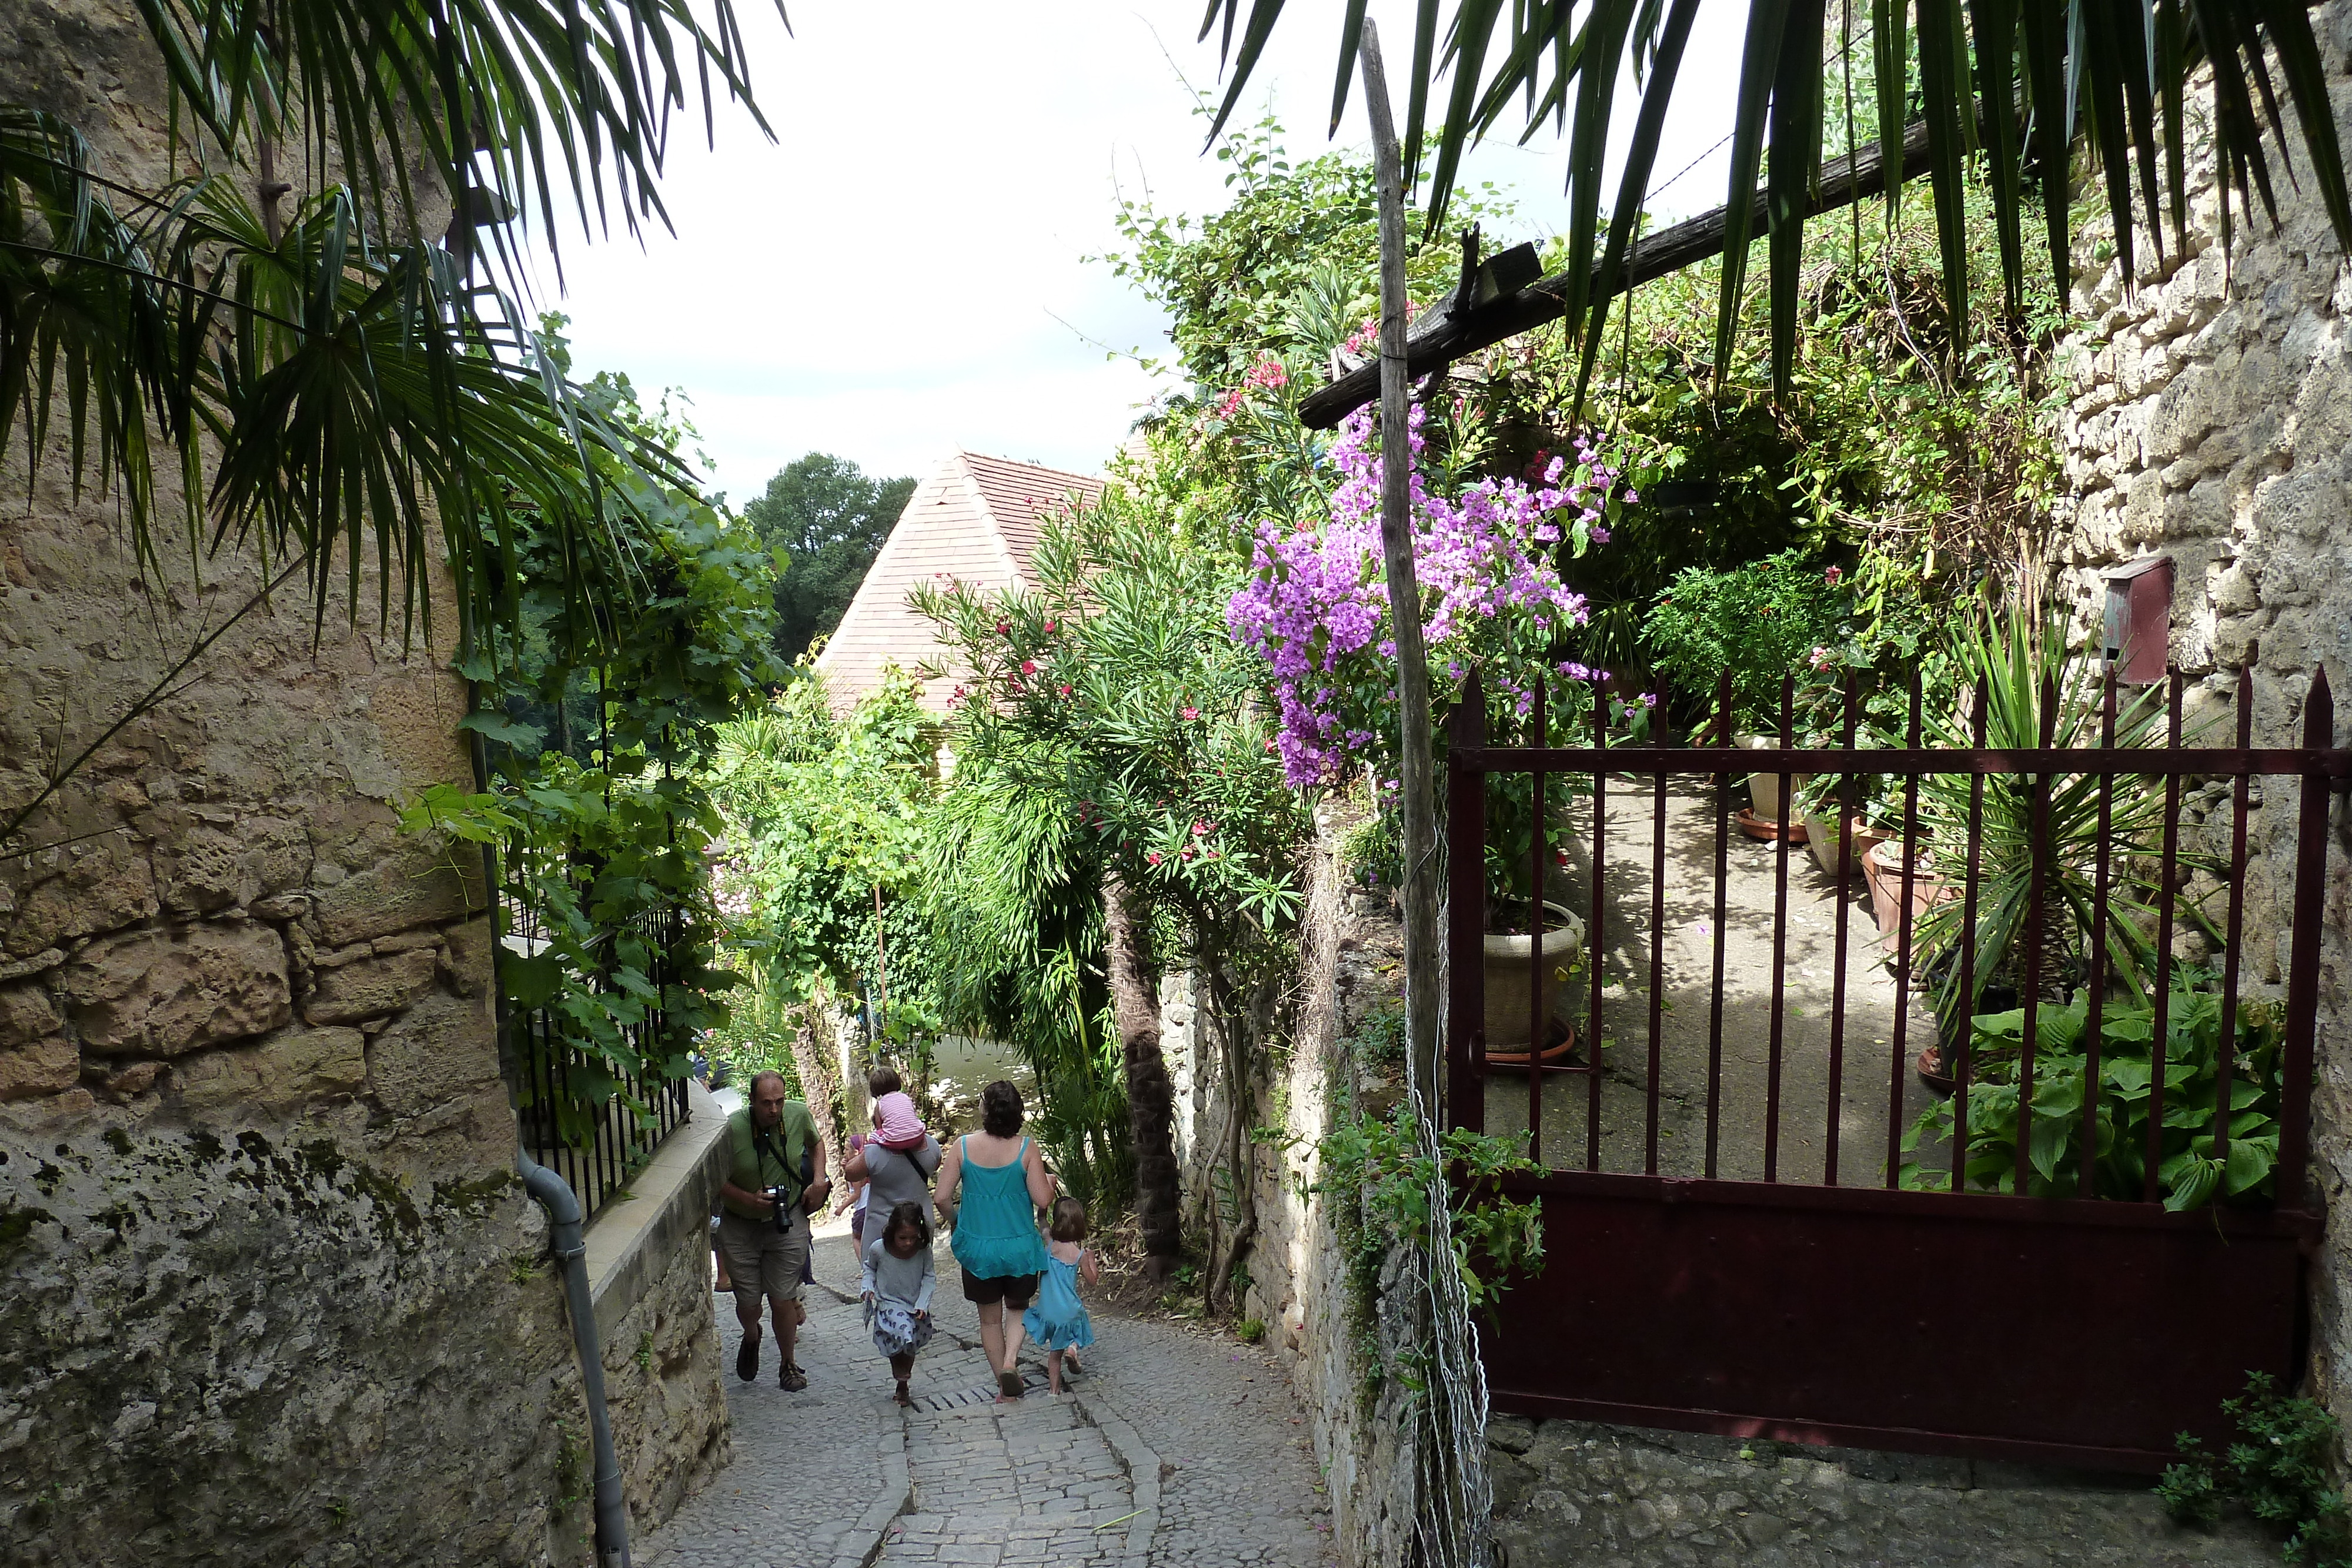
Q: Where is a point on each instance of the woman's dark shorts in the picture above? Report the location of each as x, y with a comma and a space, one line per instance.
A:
1012, 1290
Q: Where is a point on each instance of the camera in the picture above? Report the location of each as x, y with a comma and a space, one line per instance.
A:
784, 1209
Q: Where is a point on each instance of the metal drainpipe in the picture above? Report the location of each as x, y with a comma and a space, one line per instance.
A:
554, 1194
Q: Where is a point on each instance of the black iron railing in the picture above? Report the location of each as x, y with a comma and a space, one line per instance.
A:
596, 1147
593, 1123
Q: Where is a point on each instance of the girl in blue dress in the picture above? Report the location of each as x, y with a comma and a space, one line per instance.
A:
1059, 1322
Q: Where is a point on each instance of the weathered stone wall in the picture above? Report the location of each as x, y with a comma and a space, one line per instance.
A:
1576, 1494
650, 1274
269, 1289
270, 1293
1300, 1289
2211, 420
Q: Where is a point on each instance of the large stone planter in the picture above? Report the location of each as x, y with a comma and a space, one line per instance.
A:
1508, 961
1764, 789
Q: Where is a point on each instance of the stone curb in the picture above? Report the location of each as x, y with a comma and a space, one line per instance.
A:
1142, 1465
865, 1540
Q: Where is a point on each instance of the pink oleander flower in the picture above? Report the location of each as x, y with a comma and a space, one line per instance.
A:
1064, 690
1004, 628
1152, 857
1832, 575
1190, 712
1028, 666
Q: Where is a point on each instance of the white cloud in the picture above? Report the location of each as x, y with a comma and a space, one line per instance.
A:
883, 281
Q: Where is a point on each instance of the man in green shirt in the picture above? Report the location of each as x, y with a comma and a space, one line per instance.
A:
770, 1143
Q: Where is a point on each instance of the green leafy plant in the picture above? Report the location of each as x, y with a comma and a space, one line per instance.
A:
1250, 1331
2190, 1171
1764, 622
1378, 1038
1375, 1162
2280, 1468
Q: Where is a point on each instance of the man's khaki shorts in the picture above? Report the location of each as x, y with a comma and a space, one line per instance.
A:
762, 1260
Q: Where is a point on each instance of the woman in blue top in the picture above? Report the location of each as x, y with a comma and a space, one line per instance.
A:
1003, 1183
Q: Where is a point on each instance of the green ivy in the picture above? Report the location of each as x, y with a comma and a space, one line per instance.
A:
2281, 1469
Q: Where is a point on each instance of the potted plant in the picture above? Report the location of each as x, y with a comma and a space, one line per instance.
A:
1510, 958
1767, 622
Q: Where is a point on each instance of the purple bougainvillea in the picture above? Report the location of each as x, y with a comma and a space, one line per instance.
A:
1318, 609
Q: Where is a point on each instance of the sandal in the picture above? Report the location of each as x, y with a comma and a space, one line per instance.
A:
791, 1379
1008, 1386
902, 1396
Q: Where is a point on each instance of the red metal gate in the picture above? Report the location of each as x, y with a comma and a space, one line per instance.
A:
1720, 1258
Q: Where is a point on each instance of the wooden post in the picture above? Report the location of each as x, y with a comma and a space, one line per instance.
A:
1414, 743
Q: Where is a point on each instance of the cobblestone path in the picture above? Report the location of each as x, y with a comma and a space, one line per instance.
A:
1033, 1482
1175, 1448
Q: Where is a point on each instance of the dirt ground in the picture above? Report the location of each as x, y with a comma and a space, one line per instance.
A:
1812, 1123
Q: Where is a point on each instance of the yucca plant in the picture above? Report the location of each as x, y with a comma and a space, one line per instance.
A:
2035, 694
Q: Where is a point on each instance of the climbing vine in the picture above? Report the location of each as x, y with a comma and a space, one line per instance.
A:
594, 730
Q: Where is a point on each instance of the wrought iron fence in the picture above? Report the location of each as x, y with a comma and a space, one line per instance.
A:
592, 1124
1920, 877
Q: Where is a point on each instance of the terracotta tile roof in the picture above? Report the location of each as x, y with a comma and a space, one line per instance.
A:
975, 520
1019, 495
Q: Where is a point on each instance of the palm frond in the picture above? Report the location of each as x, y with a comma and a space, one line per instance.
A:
523, 97
2107, 73
361, 401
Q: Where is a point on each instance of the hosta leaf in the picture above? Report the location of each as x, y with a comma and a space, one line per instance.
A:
2250, 1162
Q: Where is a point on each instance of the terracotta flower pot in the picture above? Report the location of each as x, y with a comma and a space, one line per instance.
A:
1508, 961
1882, 868
1822, 837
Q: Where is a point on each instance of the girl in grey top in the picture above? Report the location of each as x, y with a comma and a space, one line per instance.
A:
898, 1280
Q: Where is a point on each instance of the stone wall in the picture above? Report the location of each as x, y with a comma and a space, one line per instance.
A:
650, 1274
1299, 1287
270, 1292
1577, 1494
2211, 420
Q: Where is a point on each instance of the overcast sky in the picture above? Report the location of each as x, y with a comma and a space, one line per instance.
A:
901, 272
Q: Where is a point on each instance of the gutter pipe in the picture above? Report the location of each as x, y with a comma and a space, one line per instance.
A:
554, 1194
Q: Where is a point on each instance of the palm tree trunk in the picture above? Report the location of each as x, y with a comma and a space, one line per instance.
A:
1150, 1097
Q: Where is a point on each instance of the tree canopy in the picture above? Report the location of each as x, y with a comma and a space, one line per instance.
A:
830, 517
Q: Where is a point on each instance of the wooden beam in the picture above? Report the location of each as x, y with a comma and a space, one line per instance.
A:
1445, 336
